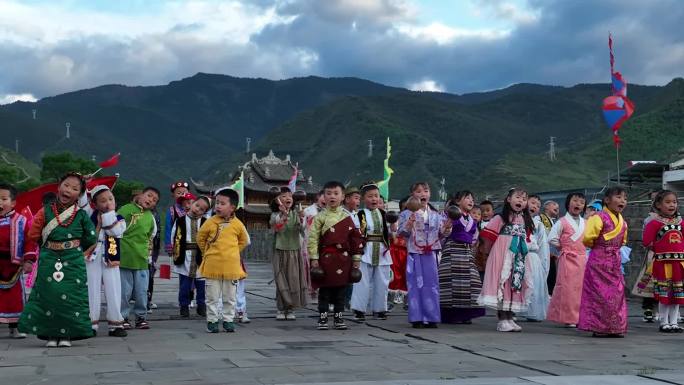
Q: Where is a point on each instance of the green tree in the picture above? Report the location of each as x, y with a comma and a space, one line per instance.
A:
123, 191
56, 165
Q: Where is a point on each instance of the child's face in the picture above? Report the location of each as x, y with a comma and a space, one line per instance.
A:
576, 206
6, 202
104, 202
476, 213
668, 206
422, 193
198, 208
617, 203
371, 199
321, 200
186, 204
69, 190
333, 197
286, 199
551, 210
487, 212
224, 207
518, 201
534, 205
148, 200
352, 201
179, 192
466, 203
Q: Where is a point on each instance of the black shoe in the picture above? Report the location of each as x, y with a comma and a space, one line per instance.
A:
431, 325
359, 315
201, 309
338, 322
118, 332
184, 312
381, 315
323, 321
417, 325
648, 316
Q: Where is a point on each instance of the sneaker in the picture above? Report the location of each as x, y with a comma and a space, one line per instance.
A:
417, 325
140, 323
359, 315
64, 343
117, 332
242, 318
338, 322
398, 299
570, 326
648, 316
14, 333
212, 327
280, 316
676, 328
290, 316
193, 303
504, 326
516, 327
228, 326
202, 310
323, 321
431, 325
52, 343
381, 315
126, 325
184, 312
152, 305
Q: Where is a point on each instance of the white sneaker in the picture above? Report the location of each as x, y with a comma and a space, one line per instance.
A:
504, 326
290, 316
516, 327
65, 343
193, 303
153, 305
242, 318
14, 333
280, 316
52, 343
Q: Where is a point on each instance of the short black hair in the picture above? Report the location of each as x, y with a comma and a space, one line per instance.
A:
230, 194
612, 191
12, 190
576, 194
486, 202
332, 185
153, 189
74, 174
534, 196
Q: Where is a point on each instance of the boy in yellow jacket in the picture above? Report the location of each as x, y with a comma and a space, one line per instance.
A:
221, 239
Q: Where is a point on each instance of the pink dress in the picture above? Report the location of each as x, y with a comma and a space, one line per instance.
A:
508, 280
603, 308
567, 235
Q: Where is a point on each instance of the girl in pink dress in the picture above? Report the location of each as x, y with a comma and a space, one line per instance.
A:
567, 235
507, 285
603, 309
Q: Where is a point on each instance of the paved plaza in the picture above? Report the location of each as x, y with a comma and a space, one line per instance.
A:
266, 351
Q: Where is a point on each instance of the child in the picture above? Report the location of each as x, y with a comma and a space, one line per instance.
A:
221, 239
399, 255
663, 235
476, 214
508, 276
423, 230
187, 257
335, 245
102, 263
538, 255
17, 256
487, 212
57, 310
288, 264
178, 190
376, 261
352, 202
307, 221
154, 257
135, 248
459, 281
487, 209
567, 235
603, 309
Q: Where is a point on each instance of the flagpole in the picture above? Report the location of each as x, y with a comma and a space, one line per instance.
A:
617, 158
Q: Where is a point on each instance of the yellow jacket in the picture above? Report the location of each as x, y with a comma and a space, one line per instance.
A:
221, 242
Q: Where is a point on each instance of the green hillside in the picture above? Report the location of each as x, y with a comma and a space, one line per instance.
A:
17, 170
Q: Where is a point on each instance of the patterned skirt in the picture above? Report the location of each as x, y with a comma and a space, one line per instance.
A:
668, 282
290, 277
459, 284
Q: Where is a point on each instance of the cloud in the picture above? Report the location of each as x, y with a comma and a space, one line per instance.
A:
47, 49
11, 98
426, 85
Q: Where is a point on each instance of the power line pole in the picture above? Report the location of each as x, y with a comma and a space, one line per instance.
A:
16, 145
370, 148
249, 141
552, 148
34, 113
68, 133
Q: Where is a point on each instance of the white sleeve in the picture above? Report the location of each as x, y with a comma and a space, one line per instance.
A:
112, 225
554, 234
544, 252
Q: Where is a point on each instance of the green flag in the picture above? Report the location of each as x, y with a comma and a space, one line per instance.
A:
383, 186
239, 186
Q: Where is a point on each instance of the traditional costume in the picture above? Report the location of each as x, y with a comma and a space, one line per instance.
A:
58, 305
567, 235
187, 258
334, 241
174, 211
289, 270
548, 223
375, 265
539, 259
664, 237
603, 309
309, 214
399, 254
423, 243
15, 249
508, 280
459, 280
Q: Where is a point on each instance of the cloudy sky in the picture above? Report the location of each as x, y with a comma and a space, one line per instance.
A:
49, 47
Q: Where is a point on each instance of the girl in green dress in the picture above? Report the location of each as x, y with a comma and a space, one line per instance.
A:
57, 310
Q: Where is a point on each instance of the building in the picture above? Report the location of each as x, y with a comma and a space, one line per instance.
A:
263, 176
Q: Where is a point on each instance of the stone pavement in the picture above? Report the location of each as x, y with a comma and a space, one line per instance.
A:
266, 351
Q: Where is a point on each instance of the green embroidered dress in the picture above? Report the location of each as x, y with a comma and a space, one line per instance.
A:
58, 305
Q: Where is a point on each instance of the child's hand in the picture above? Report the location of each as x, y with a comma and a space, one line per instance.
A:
356, 264
314, 263
446, 227
113, 264
28, 267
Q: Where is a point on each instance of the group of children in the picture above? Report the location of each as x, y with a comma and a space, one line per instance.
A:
451, 264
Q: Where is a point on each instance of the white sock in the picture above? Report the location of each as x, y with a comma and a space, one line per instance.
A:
674, 313
664, 311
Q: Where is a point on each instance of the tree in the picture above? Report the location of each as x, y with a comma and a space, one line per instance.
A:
123, 191
56, 165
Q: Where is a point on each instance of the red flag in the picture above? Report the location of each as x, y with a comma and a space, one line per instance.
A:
33, 199
111, 161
